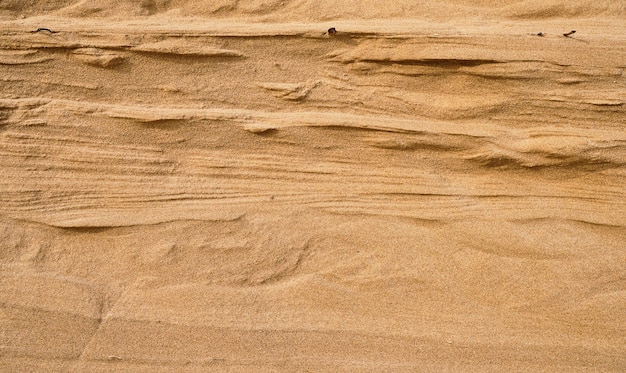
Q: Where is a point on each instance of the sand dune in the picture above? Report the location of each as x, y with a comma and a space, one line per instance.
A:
222, 185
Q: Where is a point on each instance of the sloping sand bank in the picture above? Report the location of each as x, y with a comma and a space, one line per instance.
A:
224, 186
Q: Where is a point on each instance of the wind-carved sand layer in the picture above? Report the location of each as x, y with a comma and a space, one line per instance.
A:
245, 192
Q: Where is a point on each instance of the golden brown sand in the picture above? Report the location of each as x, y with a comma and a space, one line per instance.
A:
222, 186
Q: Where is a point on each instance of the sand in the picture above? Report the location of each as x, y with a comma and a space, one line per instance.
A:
224, 186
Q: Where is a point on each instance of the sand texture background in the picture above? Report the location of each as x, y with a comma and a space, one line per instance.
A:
221, 186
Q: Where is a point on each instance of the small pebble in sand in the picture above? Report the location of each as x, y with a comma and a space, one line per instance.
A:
332, 30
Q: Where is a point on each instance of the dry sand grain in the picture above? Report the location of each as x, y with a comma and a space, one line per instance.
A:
224, 186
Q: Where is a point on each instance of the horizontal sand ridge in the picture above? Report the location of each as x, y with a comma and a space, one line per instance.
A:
279, 10
389, 189
227, 186
600, 30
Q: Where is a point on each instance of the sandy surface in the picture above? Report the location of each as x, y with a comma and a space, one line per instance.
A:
220, 185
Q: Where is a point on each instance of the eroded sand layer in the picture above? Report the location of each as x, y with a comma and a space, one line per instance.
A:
200, 186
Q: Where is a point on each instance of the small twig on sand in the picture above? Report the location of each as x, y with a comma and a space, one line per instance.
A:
45, 29
569, 33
